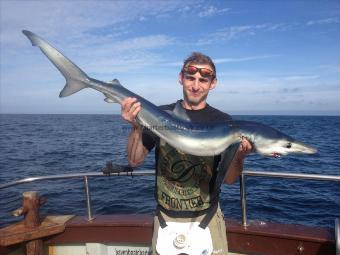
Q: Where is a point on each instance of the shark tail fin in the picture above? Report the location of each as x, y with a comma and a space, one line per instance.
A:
76, 79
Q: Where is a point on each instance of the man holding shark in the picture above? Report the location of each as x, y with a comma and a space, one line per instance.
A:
189, 137
185, 183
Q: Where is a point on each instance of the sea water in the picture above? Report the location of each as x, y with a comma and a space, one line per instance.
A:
35, 145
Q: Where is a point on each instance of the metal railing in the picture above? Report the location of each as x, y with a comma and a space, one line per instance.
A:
337, 236
78, 175
303, 176
243, 199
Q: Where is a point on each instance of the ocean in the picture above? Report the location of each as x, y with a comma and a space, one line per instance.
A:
35, 145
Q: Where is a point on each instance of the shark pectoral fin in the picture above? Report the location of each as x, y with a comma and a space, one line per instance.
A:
110, 99
226, 159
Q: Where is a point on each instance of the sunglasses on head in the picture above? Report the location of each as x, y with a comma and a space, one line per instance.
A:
204, 72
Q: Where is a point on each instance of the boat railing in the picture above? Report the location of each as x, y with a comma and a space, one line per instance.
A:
243, 176
85, 176
285, 175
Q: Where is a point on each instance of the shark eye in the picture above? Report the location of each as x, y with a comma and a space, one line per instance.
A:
289, 145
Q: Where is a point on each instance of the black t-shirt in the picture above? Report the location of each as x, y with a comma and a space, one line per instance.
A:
185, 183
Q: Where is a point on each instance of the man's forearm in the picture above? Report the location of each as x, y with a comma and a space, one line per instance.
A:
235, 169
135, 148
236, 165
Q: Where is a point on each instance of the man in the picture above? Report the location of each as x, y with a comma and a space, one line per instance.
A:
185, 183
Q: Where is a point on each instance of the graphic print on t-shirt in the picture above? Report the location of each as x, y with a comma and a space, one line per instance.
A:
183, 180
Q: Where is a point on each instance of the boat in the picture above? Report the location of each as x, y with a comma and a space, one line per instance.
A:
132, 234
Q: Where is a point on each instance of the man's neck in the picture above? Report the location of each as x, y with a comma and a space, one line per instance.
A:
188, 106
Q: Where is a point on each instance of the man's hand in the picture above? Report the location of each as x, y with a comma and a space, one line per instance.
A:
130, 109
236, 165
244, 149
135, 147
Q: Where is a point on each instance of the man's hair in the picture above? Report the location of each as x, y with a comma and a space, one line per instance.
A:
199, 59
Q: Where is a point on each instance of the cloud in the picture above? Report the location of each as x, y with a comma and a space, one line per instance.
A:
330, 68
107, 47
228, 60
145, 42
334, 20
97, 35
243, 59
235, 32
80, 17
291, 90
301, 77
124, 55
262, 95
122, 63
211, 11
200, 9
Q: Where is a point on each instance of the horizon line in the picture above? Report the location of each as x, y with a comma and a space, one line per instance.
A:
327, 114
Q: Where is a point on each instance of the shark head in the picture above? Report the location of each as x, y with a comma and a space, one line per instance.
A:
269, 141
283, 146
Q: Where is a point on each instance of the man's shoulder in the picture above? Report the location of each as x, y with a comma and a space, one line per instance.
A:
217, 114
167, 107
208, 114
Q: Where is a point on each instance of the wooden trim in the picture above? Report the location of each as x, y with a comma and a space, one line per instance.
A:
107, 228
279, 239
258, 238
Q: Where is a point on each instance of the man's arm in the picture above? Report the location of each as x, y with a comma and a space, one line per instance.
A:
236, 165
135, 148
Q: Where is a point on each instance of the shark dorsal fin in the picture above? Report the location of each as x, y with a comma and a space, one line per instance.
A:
179, 112
115, 82
108, 97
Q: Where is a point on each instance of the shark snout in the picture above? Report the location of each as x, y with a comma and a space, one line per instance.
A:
303, 148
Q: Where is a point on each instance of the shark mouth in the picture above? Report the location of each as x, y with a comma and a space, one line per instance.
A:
276, 155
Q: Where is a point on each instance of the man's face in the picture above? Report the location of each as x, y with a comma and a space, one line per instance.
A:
196, 87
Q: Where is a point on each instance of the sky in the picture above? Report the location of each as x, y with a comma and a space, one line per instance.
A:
272, 57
